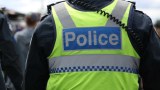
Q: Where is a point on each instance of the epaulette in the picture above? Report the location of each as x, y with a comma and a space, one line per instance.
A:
42, 18
49, 7
133, 3
139, 11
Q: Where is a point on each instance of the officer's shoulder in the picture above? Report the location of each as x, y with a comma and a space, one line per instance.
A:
45, 20
49, 7
142, 22
140, 14
43, 17
45, 25
139, 18
134, 7
45, 32
133, 4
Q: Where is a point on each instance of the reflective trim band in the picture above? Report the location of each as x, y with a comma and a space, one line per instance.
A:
64, 16
94, 63
118, 12
94, 68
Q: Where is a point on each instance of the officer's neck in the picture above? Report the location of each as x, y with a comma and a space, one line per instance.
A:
98, 3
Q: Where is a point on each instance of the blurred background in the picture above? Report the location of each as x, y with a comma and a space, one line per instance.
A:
150, 7
24, 15
17, 9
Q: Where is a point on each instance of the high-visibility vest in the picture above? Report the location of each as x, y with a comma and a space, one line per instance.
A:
91, 52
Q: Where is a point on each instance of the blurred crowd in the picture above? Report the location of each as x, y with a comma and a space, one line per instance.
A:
22, 28
22, 32
23, 37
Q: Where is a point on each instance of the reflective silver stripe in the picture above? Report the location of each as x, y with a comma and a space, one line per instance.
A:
118, 61
67, 21
118, 12
64, 16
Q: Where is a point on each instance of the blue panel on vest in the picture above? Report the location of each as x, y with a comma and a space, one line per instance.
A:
92, 38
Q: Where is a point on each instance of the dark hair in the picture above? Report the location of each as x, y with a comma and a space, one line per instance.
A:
32, 19
157, 24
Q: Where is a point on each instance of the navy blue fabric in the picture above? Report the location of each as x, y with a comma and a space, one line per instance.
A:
2, 83
9, 57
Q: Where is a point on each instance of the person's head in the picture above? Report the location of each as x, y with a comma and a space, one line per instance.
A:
157, 26
32, 19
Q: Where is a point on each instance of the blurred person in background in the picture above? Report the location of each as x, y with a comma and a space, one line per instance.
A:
9, 57
157, 26
23, 37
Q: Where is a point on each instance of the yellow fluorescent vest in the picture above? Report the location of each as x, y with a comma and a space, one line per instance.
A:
91, 52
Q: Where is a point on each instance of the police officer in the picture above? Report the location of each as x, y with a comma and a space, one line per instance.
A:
9, 58
76, 48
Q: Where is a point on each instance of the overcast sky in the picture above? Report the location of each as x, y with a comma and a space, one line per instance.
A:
150, 7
